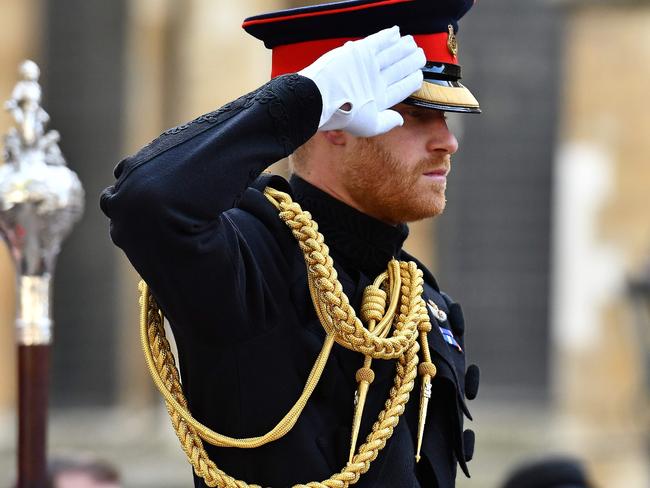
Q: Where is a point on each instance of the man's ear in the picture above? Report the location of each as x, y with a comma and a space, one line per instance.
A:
336, 137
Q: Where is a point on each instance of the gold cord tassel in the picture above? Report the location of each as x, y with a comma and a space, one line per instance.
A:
427, 371
373, 310
365, 376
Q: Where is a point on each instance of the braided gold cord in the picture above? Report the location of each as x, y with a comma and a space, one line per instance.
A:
350, 332
405, 314
160, 359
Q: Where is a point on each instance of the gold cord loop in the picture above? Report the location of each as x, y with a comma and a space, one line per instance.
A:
401, 285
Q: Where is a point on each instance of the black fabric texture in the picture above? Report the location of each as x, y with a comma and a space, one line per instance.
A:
189, 212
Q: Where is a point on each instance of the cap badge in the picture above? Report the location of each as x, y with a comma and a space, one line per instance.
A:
452, 41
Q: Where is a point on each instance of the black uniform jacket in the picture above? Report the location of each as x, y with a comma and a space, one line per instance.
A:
189, 213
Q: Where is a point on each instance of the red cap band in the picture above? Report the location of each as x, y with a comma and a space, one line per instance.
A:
291, 58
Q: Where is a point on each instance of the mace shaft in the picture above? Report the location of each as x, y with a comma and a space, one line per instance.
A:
33, 392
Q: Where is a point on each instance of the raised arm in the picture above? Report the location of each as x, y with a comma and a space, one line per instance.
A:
166, 207
185, 178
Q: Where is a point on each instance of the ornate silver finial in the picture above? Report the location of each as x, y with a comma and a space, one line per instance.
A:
31, 119
40, 200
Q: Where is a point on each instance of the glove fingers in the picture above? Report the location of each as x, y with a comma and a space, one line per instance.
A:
382, 39
396, 52
399, 91
388, 120
404, 67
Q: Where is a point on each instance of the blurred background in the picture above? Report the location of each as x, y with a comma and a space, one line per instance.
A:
546, 240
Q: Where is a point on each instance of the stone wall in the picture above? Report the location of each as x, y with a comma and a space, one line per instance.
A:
602, 239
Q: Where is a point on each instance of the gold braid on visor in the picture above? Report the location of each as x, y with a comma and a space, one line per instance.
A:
455, 96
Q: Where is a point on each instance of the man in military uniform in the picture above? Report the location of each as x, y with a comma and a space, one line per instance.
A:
358, 96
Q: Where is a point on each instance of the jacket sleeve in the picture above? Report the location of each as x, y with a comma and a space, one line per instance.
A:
167, 206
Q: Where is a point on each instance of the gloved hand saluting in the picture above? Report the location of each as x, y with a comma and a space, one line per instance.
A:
361, 80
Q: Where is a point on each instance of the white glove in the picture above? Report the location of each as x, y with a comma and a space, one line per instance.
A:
362, 79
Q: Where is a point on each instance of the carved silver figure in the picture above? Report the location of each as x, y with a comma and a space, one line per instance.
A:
40, 200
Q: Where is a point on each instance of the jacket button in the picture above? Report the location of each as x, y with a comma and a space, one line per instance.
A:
456, 319
469, 439
472, 378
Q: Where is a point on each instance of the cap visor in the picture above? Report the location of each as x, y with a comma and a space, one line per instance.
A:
445, 95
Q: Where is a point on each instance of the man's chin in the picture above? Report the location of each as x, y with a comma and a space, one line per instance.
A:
422, 212
435, 205
435, 211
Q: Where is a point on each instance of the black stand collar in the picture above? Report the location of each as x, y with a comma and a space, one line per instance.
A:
356, 240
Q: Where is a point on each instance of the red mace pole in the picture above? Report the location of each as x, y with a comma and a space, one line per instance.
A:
34, 336
33, 386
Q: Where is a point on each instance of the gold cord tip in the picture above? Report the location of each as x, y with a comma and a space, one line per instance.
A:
425, 394
360, 401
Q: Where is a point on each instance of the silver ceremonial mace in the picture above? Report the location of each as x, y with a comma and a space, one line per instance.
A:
40, 200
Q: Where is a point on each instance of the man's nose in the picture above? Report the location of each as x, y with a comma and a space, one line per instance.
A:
441, 139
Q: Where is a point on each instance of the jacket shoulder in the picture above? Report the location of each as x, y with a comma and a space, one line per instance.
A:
258, 221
